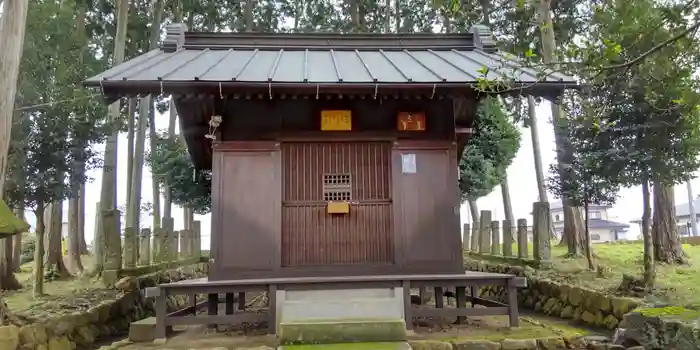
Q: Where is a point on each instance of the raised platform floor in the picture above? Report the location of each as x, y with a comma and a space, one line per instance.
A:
273, 286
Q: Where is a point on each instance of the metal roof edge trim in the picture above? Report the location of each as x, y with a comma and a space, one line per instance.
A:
310, 85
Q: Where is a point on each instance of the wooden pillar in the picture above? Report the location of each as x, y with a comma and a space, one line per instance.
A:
522, 239
540, 231
495, 238
145, 247
507, 238
466, 230
484, 232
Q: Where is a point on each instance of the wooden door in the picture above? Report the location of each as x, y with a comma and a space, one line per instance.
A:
315, 173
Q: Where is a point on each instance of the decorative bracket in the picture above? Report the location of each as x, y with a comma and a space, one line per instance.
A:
483, 38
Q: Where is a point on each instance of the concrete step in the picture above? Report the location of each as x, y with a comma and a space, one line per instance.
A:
143, 330
350, 346
342, 331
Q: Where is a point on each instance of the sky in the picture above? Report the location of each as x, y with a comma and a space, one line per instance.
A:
521, 174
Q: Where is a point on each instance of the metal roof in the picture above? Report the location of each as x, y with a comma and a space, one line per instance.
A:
323, 59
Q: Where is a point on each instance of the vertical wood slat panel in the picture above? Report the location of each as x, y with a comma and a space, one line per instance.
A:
312, 237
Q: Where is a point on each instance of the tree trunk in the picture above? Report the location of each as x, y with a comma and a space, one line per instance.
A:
38, 287
387, 14
54, 257
168, 201
73, 259
17, 245
572, 216
507, 206
589, 251
397, 15
12, 27
81, 221
7, 276
691, 209
649, 269
130, 132
154, 181
536, 151
133, 211
474, 210
249, 5
108, 198
664, 233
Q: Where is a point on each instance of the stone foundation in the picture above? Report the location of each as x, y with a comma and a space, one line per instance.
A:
557, 299
108, 319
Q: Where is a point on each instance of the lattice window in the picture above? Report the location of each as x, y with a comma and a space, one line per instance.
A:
337, 187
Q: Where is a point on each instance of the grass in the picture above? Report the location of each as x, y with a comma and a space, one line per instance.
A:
678, 285
64, 295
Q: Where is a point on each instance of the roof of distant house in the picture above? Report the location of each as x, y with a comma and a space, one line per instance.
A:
601, 223
554, 205
681, 210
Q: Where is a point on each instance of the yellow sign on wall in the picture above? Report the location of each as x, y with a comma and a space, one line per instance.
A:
336, 120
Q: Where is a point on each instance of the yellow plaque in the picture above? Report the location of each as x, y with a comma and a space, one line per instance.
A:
336, 120
338, 207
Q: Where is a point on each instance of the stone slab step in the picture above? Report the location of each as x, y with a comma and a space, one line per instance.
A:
342, 331
143, 330
353, 308
350, 346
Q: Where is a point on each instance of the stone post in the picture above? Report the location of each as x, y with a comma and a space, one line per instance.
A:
495, 238
184, 239
158, 245
145, 247
167, 248
466, 230
174, 245
540, 231
130, 254
112, 247
474, 245
522, 239
507, 238
484, 232
196, 239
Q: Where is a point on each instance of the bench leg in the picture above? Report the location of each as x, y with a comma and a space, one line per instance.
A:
161, 314
439, 298
229, 303
461, 302
422, 293
474, 291
513, 315
272, 309
241, 300
407, 314
192, 302
213, 306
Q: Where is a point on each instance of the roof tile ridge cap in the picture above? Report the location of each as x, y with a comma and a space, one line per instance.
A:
174, 37
483, 38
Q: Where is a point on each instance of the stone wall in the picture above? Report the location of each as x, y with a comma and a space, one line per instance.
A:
108, 319
557, 299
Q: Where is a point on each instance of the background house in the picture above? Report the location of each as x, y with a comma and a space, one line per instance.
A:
600, 227
682, 218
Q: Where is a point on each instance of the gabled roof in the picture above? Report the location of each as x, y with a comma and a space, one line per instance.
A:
238, 60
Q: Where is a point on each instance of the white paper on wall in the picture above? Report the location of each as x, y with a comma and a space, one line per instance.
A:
408, 163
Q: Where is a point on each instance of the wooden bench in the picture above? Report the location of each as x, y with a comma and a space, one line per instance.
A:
460, 282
